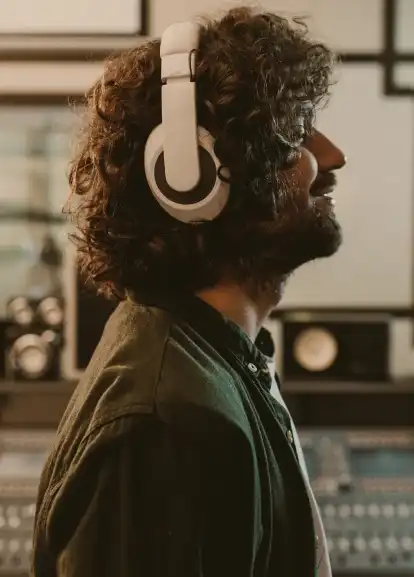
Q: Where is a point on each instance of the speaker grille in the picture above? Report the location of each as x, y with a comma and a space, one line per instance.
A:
361, 351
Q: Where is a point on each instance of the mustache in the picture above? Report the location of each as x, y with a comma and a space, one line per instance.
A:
324, 182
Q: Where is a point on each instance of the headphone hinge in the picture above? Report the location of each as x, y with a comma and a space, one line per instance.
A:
178, 66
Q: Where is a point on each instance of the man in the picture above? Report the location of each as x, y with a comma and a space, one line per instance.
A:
173, 459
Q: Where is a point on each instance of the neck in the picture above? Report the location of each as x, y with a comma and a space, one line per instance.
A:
237, 304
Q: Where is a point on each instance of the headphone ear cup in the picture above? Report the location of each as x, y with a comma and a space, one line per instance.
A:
206, 200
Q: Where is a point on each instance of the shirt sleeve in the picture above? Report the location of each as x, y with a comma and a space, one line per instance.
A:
136, 510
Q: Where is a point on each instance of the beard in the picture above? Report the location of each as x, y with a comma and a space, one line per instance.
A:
309, 229
300, 236
315, 234
265, 250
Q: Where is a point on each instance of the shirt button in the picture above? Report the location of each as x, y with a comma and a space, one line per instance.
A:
252, 368
289, 436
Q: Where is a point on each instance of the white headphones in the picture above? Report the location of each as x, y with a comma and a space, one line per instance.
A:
180, 165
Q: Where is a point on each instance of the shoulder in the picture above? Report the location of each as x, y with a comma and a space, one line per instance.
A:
149, 363
119, 454
147, 371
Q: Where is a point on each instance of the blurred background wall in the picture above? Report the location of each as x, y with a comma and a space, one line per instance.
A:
370, 116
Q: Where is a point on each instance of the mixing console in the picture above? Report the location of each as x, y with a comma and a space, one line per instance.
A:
22, 456
364, 484
363, 481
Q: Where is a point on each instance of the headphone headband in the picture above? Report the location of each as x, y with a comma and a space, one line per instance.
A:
179, 37
179, 114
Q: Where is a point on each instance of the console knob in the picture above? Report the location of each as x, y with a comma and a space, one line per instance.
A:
391, 543
375, 544
14, 545
345, 483
407, 543
359, 510
360, 544
403, 510
29, 510
388, 511
344, 511
14, 522
330, 510
373, 510
343, 545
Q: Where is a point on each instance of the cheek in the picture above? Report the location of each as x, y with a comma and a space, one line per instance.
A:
306, 170
300, 178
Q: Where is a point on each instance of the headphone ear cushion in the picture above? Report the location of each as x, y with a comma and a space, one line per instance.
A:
153, 150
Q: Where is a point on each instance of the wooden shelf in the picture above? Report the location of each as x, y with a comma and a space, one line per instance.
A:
347, 388
339, 404
37, 387
33, 405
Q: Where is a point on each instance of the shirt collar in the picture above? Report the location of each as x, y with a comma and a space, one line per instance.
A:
214, 327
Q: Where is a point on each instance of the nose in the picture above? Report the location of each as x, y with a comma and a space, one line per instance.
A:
328, 156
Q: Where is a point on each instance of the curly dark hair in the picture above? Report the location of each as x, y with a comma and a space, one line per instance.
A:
258, 77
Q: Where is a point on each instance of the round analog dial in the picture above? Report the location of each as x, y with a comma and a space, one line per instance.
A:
315, 349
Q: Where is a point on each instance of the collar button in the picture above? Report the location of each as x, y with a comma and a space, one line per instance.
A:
252, 368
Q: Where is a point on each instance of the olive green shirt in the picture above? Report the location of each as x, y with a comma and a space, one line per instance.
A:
173, 459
